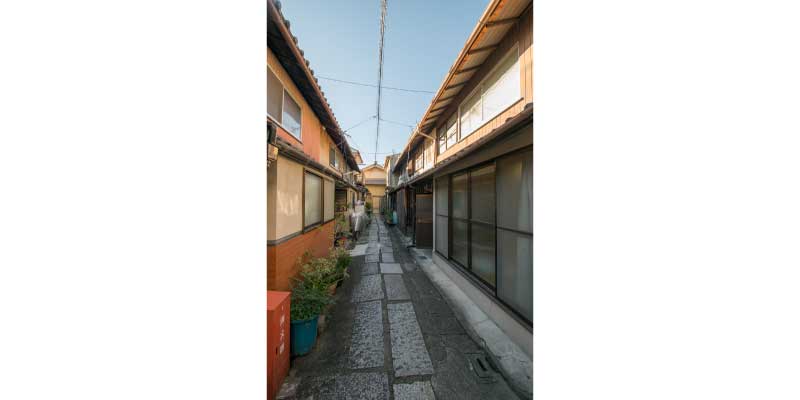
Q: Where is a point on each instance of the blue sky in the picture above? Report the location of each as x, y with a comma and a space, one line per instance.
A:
422, 40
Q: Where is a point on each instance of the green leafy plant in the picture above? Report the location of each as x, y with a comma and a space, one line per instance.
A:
307, 301
317, 273
341, 259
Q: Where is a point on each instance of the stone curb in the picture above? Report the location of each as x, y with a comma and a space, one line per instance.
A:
513, 363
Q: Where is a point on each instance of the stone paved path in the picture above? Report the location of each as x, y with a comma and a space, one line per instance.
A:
391, 335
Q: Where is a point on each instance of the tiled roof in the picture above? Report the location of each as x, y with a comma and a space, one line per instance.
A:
284, 44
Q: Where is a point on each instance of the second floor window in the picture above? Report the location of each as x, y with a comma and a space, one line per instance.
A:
291, 114
332, 157
452, 131
281, 106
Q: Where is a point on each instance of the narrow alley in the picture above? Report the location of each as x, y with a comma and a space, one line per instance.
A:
392, 336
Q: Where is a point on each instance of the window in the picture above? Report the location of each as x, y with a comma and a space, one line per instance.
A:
484, 224
332, 157
418, 162
452, 131
448, 133
428, 154
458, 218
442, 139
312, 204
502, 87
281, 106
330, 193
499, 89
515, 231
441, 194
471, 116
481, 223
291, 115
274, 96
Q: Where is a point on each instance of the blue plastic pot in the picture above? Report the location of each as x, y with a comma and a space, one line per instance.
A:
303, 335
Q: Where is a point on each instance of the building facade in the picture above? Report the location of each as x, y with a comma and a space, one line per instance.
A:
375, 182
313, 174
465, 176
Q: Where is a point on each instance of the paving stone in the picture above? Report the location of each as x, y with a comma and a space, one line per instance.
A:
356, 386
413, 391
368, 289
370, 269
425, 337
395, 288
409, 355
387, 257
409, 267
366, 350
372, 258
358, 250
390, 268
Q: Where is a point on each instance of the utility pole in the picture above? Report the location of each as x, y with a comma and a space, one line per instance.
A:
380, 79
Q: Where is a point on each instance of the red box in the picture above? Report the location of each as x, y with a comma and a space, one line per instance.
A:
278, 306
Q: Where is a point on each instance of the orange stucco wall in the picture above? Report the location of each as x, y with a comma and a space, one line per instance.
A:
311, 132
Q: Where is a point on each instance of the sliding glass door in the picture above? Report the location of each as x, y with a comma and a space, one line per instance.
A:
484, 224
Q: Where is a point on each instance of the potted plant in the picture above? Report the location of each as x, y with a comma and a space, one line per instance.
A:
319, 273
306, 306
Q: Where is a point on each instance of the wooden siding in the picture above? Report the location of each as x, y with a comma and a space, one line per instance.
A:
485, 129
519, 35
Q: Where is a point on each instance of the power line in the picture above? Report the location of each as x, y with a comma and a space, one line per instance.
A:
359, 123
367, 84
397, 123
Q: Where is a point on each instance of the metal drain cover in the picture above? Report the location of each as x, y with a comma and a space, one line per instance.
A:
483, 368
